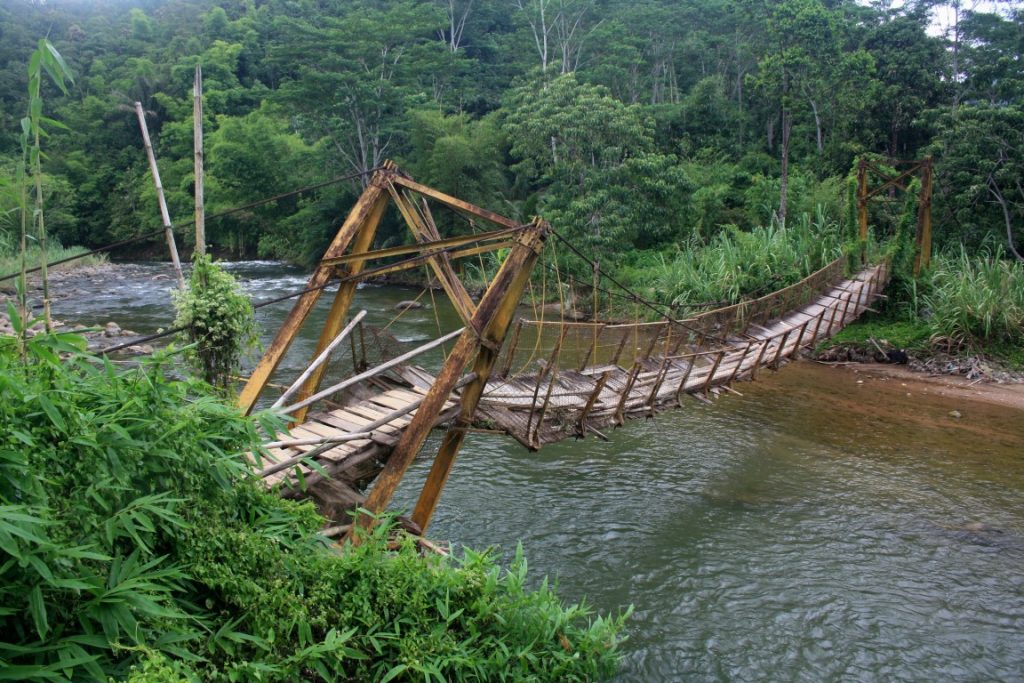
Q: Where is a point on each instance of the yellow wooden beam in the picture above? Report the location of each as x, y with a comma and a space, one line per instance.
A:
492, 316
455, 203
372, 201
422, 247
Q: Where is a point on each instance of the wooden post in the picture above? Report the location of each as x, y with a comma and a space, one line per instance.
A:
846, 309
363, 218
197, 145
760, 358
739, 365
923, 258
714, 369
493, 316
342, 300
782, 346
832, 319
686, 375
817, 325
800, 337
165, 215
862, 207
581, 424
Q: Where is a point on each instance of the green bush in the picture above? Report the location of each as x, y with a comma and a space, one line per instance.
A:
978, 300
218, 319
135, 543
737, 264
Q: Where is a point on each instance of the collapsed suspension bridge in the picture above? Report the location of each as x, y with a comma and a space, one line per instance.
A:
351, 443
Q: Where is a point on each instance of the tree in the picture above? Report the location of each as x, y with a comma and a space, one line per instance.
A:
558, 29
593, 160
356, 75
981, 171
802, 71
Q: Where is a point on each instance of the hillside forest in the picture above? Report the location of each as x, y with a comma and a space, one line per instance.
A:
638, 128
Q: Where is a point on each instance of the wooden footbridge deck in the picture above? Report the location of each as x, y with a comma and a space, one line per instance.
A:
552, 380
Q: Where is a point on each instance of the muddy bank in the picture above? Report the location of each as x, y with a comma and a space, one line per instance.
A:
953, 387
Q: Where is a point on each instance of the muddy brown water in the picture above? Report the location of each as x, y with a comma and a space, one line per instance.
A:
812, 529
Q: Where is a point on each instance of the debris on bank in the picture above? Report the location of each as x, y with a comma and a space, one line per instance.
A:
934, 363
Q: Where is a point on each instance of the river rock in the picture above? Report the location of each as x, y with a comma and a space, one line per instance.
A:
112, 329
408, 306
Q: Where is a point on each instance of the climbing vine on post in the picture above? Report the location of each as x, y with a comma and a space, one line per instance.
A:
218, 319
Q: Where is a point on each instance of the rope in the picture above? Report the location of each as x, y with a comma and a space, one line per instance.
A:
404, 311
221, 214
653, 305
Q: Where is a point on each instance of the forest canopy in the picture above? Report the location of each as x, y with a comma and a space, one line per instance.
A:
631, 125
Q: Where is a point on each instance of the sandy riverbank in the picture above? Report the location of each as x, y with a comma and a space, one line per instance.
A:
952, 387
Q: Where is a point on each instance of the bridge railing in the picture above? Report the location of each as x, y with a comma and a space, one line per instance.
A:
535, 345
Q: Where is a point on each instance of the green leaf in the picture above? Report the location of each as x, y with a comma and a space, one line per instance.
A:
52, 412
37, 608
394, 672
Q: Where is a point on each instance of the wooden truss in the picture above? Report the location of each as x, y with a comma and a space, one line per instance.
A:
898, 179
486, 321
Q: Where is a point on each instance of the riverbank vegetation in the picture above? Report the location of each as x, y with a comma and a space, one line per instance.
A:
139, 547
964, 306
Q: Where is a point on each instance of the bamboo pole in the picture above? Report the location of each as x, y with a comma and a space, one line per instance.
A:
372, 372
161, 200
321, 359
197, 145
320, 440
862, 207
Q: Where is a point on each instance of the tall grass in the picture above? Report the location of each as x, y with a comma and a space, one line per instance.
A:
10, 258
977, 300
738, 264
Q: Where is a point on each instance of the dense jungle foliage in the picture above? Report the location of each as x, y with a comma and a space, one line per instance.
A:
138, 546
633, 126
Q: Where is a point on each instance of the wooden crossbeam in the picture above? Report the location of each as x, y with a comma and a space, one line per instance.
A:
436, 246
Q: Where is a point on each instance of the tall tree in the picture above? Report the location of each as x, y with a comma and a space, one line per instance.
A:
354, 76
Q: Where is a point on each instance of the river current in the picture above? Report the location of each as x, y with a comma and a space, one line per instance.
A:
810, 529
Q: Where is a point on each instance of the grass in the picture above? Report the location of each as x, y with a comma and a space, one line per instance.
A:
976, 301
911, 335
10, 259
738, 264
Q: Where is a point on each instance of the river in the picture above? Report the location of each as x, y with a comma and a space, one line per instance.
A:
811, 529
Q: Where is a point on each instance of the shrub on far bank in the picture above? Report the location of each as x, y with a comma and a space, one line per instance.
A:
977, 300
135, 543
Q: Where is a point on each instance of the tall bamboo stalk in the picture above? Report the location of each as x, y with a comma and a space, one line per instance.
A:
197, 134
164, 213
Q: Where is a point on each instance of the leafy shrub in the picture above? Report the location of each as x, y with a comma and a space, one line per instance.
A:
218, 320
134, 543
977, 300
737, 264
